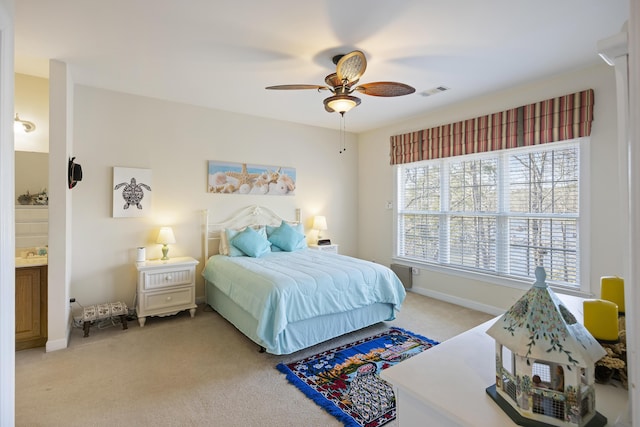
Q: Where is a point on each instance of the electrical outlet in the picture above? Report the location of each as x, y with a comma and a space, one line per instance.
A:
415, 271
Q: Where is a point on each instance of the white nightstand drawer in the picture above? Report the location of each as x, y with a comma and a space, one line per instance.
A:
332, 248
167, 278
168, 300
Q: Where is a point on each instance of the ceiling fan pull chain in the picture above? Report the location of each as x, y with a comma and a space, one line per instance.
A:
342, 134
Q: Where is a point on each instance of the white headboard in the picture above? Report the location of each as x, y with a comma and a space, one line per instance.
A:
249, 216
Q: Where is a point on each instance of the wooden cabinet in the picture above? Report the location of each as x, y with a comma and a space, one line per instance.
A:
31, 307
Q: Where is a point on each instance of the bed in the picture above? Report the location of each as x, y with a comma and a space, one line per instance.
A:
290, 297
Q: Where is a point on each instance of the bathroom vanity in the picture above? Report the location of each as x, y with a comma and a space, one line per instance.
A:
32, 234
31, 306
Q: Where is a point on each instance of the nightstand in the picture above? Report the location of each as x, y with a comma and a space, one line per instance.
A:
333, 248
165, 287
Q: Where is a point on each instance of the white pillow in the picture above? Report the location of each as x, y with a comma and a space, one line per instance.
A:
223, 249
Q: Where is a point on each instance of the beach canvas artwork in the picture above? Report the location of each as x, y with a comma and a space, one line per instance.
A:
243, 178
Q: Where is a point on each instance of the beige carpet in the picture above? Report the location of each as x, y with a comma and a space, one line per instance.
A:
178, 371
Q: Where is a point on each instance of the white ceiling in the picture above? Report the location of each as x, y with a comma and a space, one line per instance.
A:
222, 54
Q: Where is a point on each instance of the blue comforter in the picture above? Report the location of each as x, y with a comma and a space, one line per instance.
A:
286, 287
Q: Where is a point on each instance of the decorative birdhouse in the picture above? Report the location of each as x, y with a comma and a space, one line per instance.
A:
545, 362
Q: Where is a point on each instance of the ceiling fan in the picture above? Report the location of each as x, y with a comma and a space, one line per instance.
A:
342, 83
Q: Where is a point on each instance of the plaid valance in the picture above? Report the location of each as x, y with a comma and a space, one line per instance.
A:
555, 119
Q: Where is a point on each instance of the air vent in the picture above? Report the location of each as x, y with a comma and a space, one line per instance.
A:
434, 91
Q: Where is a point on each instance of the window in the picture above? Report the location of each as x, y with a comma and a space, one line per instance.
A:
502, 213
542, 370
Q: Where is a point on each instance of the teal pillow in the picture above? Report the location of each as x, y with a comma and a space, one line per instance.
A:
298, 227
232, 250
286, 238
251, 243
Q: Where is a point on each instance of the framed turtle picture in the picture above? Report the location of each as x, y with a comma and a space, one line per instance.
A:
131, 192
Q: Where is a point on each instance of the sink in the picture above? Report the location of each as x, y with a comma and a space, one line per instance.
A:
30, 261
32, 256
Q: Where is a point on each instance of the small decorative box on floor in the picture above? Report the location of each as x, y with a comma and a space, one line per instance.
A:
545, 362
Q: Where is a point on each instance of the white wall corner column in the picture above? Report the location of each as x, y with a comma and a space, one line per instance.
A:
621, 51
7, 224
60, 213
632, 290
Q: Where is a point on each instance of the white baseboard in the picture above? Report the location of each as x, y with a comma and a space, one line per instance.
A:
474, 305
62, 343
59, 344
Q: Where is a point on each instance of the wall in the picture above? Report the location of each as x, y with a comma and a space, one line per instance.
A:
32, 104
32, 229
175, 141
7, 209
60, 205
605, 236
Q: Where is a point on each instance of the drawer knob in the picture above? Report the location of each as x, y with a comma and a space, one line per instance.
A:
168, 298
167, 278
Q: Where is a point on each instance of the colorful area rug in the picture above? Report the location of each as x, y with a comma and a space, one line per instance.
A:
345, 381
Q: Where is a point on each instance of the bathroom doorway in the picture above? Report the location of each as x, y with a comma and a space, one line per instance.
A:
31, 150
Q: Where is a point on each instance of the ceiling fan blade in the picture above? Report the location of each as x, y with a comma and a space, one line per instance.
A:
351, 66
385, 89
296, 87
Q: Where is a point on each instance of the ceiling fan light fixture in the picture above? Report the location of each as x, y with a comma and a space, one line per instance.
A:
341, 103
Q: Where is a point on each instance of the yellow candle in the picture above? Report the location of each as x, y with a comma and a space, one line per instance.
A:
601, 319
612, 289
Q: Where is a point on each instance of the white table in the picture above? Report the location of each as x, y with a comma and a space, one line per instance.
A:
445, 385
332, 248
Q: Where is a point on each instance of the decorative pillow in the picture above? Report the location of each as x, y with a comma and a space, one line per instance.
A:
227, 235
286, 238
251, 243
226, 248
296, 226
299, 227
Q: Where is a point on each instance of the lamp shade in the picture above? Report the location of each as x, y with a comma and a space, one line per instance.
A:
341, 103
165, 236
319, 223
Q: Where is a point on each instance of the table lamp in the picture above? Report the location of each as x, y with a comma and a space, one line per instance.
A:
320, 224
165, 237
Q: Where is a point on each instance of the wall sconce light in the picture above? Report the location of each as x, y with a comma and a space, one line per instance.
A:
166, 237
320, 224
22, 126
